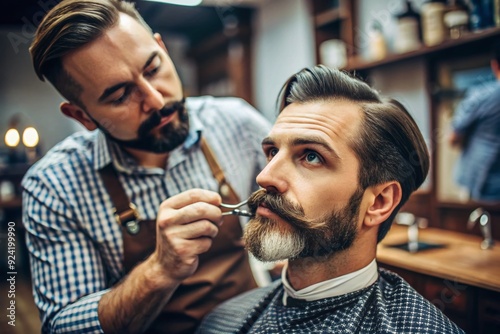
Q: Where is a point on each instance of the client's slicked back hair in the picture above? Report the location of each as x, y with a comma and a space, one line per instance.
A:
389, 144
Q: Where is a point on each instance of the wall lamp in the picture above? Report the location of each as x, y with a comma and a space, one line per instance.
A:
30, 140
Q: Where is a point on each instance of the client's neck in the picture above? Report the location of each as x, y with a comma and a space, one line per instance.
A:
305, 272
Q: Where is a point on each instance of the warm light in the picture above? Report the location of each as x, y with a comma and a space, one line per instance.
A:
180, 2
12, 138
30, 137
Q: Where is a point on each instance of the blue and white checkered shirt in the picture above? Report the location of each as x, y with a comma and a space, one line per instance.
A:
74, 242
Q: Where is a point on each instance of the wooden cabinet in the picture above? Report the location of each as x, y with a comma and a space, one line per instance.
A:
333, 19
467, 53
223, 58
460, 279
488, 311
473, 309
337, 19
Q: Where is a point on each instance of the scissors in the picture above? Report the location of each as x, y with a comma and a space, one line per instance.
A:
235, 209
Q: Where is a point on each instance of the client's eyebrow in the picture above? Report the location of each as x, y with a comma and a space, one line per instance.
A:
110, 90
307, 140
313, 140
267, 141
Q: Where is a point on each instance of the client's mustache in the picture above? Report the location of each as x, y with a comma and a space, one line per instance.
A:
155, 119
288, 211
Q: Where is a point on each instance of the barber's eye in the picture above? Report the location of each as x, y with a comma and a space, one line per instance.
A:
122, 98
151, 72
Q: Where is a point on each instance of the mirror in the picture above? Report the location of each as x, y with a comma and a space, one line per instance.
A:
454, 79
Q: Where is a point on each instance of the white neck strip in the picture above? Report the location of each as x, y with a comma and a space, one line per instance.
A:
337, 286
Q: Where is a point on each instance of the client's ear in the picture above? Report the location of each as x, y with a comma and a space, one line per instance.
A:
386, 197
73, 111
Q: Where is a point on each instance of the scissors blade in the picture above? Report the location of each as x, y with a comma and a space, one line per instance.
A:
238, 212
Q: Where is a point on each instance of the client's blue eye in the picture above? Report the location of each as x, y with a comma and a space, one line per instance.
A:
313, 157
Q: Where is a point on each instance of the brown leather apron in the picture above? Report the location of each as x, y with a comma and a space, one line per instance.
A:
224, 271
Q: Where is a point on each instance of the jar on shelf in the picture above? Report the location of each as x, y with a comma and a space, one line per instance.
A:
333, 53
433, 29
408, 30
377, 45
456, 19
496, 13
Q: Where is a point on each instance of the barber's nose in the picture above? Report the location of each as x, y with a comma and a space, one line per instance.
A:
151, 98
273, 177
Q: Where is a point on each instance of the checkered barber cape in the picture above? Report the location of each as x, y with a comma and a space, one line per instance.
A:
388, 306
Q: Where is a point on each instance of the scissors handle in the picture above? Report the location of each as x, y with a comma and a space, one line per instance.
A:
233, 206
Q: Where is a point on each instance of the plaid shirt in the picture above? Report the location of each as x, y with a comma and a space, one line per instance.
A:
74, 242
388, 306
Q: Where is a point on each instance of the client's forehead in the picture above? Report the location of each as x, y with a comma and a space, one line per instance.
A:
335, 120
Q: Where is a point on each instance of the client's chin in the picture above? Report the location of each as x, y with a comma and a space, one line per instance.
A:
270, 241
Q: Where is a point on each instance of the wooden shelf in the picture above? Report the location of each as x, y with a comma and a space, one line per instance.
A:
470, 205
329, 16
359, 64
333, 20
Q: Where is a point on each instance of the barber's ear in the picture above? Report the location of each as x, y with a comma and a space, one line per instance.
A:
75, 112
157, 36
385, 199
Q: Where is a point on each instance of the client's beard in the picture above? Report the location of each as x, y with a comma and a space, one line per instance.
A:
268, 240
170, 136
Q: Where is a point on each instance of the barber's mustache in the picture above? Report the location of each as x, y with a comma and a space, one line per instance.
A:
155, 119
278, 204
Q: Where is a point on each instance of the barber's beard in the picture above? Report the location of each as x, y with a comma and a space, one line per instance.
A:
295, 236
168, 137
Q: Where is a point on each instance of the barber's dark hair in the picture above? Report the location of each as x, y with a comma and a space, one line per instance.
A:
389, 144
68, 26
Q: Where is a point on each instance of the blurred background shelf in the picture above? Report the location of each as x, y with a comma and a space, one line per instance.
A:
467, 43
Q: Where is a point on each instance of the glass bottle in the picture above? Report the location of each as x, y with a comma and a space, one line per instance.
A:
433, 28
456, 19
408, 33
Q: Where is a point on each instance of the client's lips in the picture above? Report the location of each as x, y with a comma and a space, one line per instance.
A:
167, 114
264, 211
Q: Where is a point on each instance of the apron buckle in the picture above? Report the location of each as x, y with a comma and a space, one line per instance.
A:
129, 219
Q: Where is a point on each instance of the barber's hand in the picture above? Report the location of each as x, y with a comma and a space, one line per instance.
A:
185, 226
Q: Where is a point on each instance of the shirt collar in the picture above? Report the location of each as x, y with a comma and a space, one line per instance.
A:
337, 286
108, 151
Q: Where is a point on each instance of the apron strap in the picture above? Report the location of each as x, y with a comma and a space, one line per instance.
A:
125, 212
225, 189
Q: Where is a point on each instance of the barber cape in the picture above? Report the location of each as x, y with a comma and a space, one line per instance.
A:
389, 305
